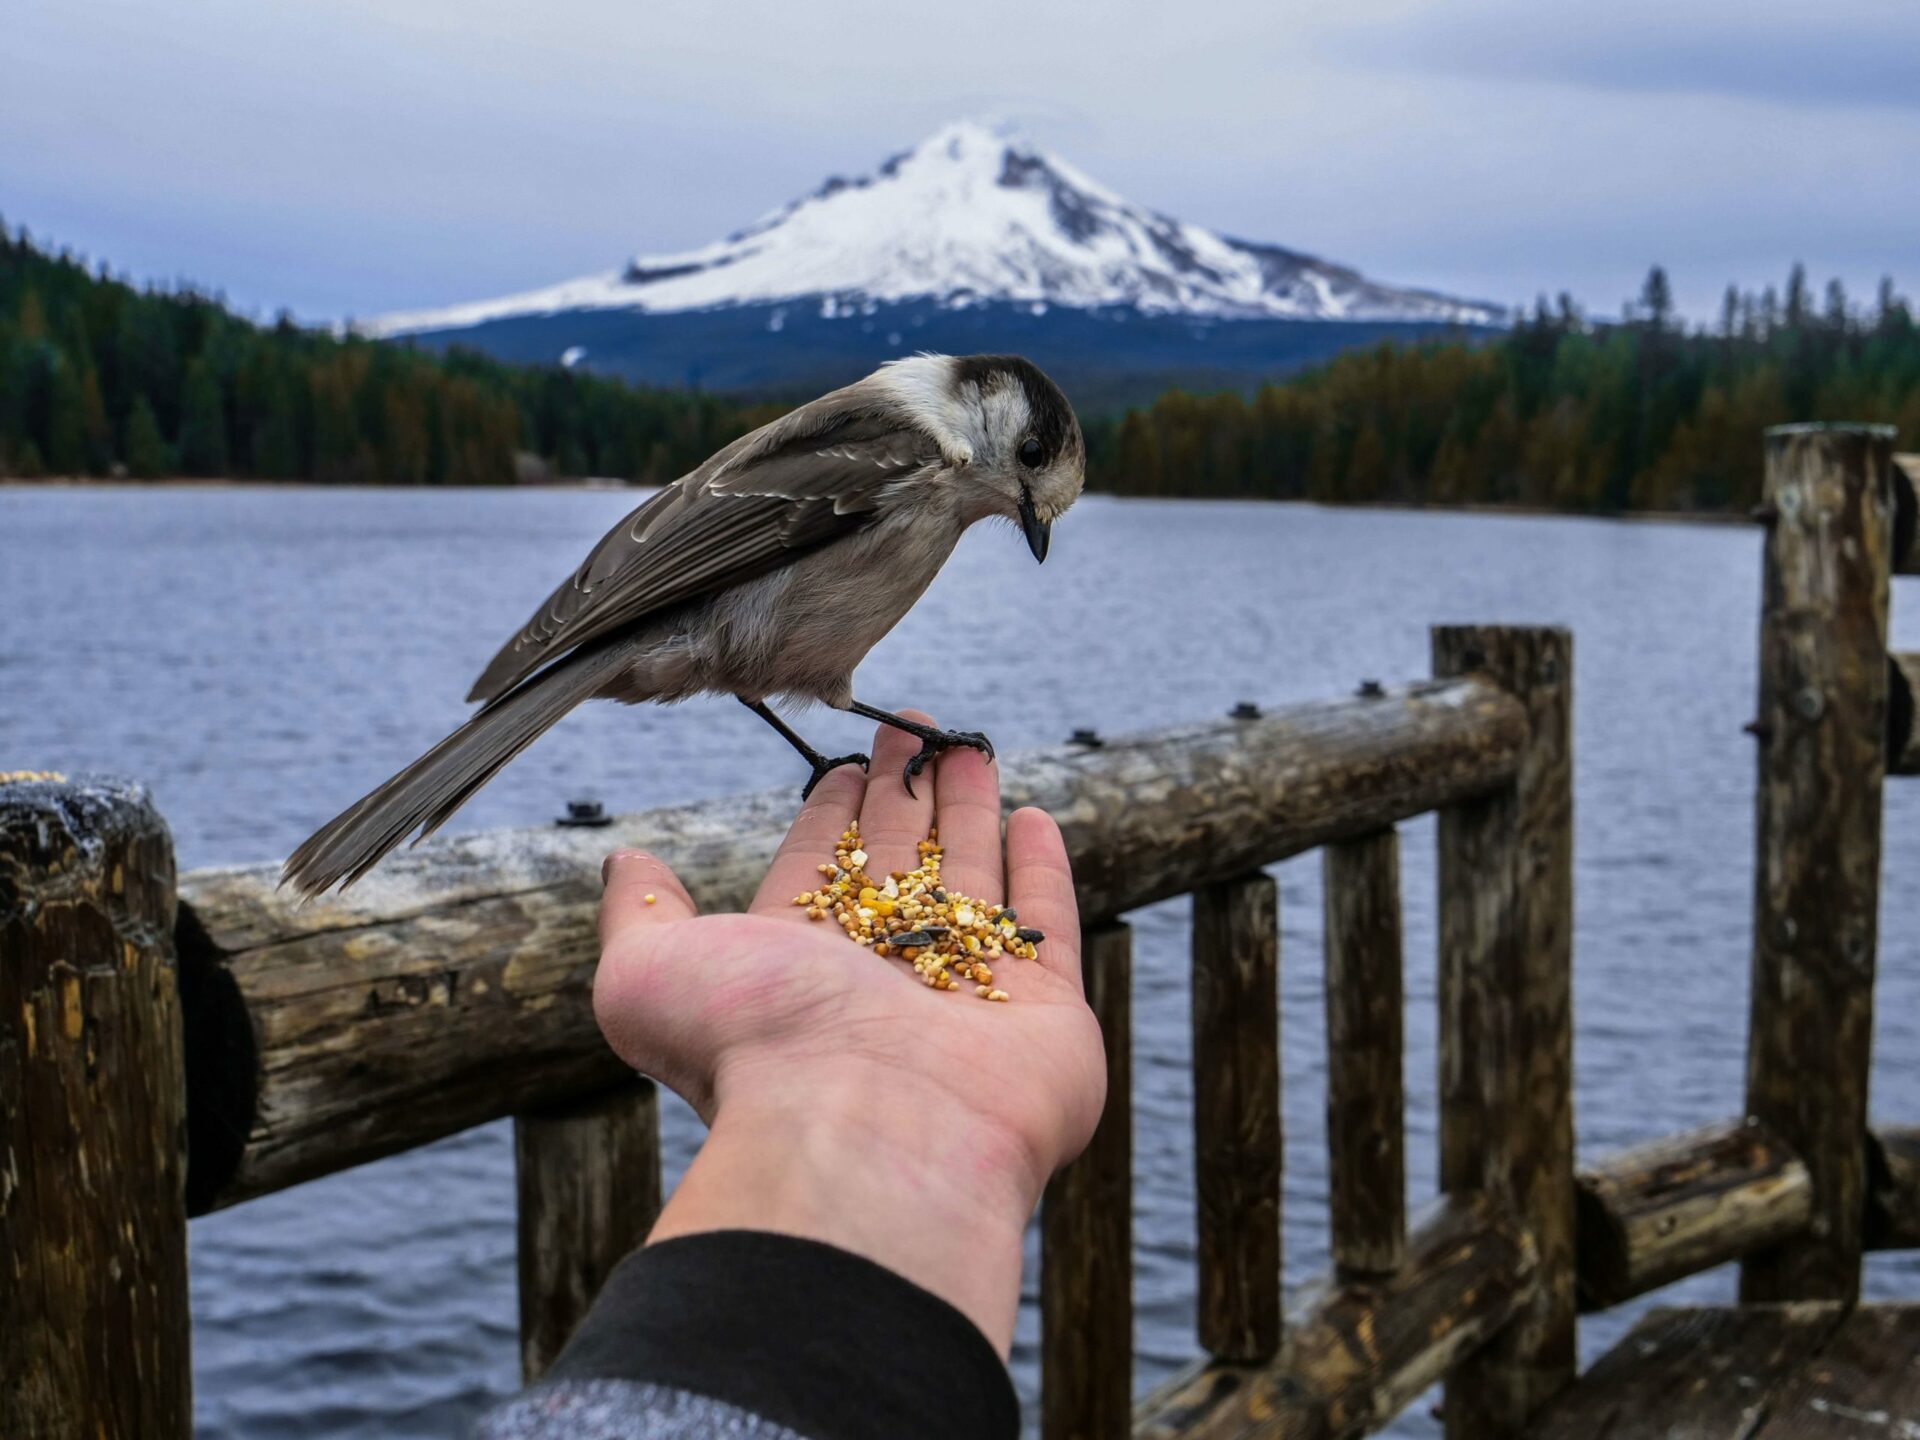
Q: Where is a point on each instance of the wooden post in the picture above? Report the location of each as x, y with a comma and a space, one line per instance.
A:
458, 989
1903, 734
589, 1190
1236, 1115
1366, 1141
1821, 725
1086, 1233
1906, 515
1506, 1029
1893, 1194
93, 1221
1685, 1203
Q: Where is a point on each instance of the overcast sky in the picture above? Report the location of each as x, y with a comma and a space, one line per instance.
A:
366, 155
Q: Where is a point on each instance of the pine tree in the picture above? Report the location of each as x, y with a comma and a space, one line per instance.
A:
65, 436
1656, 299
143, 449
32, 320
1836, 307
1797, 303
203, 423
1886, 304
96, 432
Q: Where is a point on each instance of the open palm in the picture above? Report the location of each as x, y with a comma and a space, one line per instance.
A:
723, 1004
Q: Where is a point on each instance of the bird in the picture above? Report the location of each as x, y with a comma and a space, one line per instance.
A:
767, 572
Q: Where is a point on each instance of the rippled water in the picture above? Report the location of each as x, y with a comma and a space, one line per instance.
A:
261, 656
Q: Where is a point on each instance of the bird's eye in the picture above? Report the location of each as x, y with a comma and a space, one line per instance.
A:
1031, 453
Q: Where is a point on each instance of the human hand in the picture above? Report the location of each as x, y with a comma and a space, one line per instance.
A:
849, 1102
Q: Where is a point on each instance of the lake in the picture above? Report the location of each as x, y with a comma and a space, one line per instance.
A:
260, 657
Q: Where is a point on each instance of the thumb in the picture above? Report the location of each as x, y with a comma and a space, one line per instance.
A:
640, 890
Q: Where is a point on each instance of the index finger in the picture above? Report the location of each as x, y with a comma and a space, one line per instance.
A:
1040, 889
810, 842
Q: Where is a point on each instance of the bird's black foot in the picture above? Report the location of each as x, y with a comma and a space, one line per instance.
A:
821, 765
932, 739
932, 742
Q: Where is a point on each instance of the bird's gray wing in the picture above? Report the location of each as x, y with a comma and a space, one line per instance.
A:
809, 478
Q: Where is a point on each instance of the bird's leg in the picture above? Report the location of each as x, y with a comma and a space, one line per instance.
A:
820, 763
932, 740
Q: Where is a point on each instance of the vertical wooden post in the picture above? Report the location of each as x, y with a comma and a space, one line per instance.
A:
1086, 1233
1236, 1115
1821, 729
1506, 1030
589, 1190
1366, 1132
93, 1220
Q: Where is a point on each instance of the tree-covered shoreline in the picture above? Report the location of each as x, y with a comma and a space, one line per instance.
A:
101, 379
1562, 414
98, 378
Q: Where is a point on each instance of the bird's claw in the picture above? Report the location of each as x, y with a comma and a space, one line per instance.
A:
821, 765
932, 744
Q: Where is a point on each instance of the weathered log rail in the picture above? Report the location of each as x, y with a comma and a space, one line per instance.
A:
452, 987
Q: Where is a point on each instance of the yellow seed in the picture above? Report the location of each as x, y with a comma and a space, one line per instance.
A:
652, 898
996, 995
981, 991
884, 907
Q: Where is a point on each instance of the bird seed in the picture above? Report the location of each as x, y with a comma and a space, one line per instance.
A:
948, 937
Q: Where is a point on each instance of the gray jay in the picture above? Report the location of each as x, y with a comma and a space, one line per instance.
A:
770, 570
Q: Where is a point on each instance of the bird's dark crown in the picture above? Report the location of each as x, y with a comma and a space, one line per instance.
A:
1053, 423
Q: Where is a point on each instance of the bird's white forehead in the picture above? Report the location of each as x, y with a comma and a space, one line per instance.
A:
965, 420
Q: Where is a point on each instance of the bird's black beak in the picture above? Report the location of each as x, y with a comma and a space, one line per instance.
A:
1039, 532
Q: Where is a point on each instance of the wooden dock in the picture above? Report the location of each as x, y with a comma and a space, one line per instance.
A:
1817, 1370
171, 1045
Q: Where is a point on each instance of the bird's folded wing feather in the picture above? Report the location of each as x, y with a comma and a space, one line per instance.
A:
809, 478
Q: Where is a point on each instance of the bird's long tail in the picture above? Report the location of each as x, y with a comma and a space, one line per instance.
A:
429, 790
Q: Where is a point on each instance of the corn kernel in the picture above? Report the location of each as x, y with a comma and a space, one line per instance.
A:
949, 934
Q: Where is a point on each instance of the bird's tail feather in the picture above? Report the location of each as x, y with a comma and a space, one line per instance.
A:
429, 790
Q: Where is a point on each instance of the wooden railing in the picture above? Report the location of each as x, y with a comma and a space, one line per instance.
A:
170, 1047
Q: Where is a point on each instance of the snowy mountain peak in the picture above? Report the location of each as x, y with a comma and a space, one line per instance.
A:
970, 215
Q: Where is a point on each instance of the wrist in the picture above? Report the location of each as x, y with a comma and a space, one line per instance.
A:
885, 1165
920, 1134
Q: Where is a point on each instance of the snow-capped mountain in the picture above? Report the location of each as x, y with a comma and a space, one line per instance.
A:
968, 218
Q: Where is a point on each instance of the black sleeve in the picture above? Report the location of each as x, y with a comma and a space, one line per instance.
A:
805, 1335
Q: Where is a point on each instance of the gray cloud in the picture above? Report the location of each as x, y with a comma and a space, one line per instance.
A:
351, 156
1856, 54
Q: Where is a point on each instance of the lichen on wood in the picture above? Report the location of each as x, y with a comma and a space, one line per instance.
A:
93, 1230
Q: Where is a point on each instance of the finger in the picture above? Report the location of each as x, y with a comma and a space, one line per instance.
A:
810, 841
967, 810
892, 822
640, 890
1040, 887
